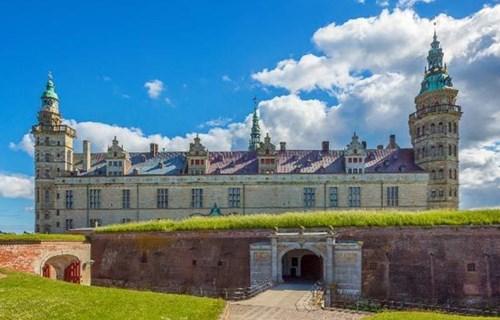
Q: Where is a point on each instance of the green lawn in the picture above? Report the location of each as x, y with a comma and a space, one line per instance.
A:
316, 219
37, 237
26, 297
421, 316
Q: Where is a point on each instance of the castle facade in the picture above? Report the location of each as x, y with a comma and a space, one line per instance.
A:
87, 189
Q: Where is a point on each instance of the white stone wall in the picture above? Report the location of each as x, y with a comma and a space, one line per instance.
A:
259, 193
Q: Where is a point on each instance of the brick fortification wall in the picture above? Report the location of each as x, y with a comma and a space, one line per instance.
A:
30, 256
436, 265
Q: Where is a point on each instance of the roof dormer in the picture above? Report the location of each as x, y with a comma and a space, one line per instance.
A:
197, 158
117, 160
267, 156
355, 155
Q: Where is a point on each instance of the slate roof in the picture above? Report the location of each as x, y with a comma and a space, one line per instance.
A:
245, 162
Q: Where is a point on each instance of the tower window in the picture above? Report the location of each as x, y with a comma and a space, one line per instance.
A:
450, 151
449, 127
455, 127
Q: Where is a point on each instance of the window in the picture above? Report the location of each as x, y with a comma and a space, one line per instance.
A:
68, 224
392, 196
455, 127
334, 197
471, 267
309, 197
68, 203
126, 199
449, 127
234, 195
94, 198
94, 223
354, 197
449, 149
126, 220
455, 150
196, 198
46, 197
162, 198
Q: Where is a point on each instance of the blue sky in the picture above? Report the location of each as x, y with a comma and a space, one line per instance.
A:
211, 58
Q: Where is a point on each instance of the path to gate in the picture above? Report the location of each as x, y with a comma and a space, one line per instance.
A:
286, 301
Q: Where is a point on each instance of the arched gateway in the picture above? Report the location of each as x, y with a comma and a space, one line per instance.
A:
308, 256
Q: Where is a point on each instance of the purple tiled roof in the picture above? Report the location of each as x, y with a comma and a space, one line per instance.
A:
245, 162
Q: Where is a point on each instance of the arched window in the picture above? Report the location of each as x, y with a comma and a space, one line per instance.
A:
433, 175
441, 173
449, 127
440, 127
433, 128
418, 132
455, 129
455, 150
433, 151
440, 150
47, 157
455, 174
450, 174
450, 150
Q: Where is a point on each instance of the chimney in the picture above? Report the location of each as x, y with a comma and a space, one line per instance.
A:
153, 150
282, 146
325, 146
87, 160
392, 142
364, 144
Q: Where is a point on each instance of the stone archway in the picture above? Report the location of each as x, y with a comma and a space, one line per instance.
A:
302, 265
63, 267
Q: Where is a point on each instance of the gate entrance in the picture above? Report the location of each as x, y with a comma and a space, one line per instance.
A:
63, 267
302, 265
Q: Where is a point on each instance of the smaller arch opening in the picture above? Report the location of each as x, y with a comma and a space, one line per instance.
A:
62, 267
302, 265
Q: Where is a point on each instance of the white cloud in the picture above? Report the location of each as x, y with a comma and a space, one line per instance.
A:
219, 122
226, 78
26, 144
481, 167
16, 186
155, 88
411, 3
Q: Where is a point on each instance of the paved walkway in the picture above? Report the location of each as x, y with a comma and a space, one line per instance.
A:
286, 301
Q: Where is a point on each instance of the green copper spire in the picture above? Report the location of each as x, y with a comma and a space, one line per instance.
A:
255, 133
436, 73
50, 89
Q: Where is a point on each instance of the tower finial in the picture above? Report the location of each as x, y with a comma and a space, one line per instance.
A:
255, 132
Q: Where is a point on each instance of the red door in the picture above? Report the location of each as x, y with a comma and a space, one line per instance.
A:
72, 272
46, 271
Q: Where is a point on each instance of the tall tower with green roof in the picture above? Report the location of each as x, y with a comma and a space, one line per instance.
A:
254, 142
53, 159
434, 130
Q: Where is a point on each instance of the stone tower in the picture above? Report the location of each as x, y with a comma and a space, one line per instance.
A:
434, 130
254, 142
53, 158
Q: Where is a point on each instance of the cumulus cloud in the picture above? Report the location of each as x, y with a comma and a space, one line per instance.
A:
155, 88
16, 186
411, 3
26, 144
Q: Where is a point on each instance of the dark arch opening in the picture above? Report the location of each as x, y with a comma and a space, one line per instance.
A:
62, 267
301, 265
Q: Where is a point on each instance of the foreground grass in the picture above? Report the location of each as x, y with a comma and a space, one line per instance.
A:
8, 237
315, 220
421, 316
24, 296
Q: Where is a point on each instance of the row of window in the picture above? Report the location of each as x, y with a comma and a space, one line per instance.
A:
439, 174
434, 151
234, 197
440, 193
439, 128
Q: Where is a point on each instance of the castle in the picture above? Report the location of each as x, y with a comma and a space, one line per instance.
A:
78, 190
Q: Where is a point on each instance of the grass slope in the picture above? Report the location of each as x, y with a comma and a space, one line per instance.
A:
316, 219
28, 297
421, 316
36, 237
